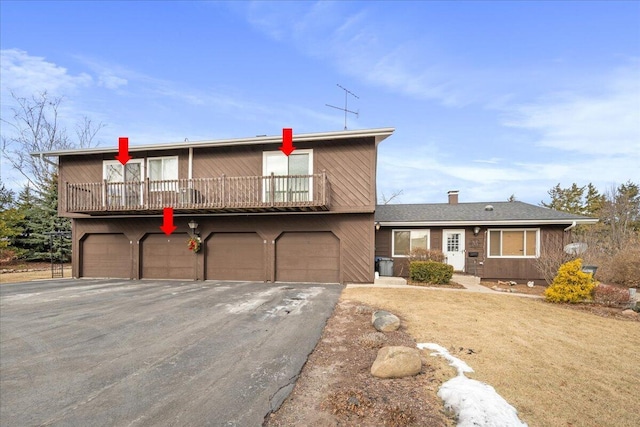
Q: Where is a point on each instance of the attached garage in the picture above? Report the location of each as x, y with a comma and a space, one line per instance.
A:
235, 256
166, 257
308, 257
106, 255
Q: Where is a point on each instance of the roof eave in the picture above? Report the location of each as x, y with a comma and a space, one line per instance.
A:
379, 134
487, 223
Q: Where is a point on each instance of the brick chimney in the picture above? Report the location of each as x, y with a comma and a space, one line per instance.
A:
453, 197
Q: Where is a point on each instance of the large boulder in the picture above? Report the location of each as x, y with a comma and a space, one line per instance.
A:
384, 321
396, 362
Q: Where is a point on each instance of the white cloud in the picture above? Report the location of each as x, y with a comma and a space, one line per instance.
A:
606, 123
111, 81
363, 48
26, 74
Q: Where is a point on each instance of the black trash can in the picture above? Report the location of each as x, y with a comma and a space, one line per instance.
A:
385, 266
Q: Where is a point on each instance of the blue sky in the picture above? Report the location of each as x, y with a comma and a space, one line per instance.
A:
488, 98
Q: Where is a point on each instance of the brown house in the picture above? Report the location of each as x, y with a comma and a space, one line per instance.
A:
494, 241
260, 215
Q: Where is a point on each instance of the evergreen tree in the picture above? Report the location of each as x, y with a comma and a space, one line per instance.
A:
9, 224
45, 220
26, 243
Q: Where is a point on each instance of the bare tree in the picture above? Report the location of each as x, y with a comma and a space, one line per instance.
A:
386, 200
36, 127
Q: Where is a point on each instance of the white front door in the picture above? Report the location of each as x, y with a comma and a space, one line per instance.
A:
453, 248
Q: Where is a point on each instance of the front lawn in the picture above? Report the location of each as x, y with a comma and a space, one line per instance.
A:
558, 367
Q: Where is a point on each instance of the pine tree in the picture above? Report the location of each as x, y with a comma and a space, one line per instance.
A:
45, 220
9, 224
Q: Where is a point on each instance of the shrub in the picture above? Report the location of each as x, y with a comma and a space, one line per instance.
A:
430, 272
422, 254
571, 284
611, 296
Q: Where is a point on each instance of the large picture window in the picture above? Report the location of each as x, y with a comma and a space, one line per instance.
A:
163, 169
514, 243
406, 240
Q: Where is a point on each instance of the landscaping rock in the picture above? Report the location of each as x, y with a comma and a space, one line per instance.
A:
630, 313
384, 321
396, 362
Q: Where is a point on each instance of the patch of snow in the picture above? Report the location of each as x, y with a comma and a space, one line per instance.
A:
460, 365
475, 403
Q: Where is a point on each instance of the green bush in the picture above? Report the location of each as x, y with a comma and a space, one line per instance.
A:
571, 284
430, 272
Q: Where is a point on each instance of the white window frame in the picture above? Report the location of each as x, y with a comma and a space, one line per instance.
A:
165, 186
141, 162
393, 240
278, 153
523, 230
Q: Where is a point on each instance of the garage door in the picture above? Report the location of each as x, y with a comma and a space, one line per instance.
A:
106, 255
235, 256
167, 257
308, 257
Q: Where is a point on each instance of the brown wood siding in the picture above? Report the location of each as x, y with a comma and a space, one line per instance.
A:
486, 268
235, 256
80, 169
354, 231
106, 255
308, 257
521, 270
350, 166
166, 257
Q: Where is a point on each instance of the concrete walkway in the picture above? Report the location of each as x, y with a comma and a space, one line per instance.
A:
470, 283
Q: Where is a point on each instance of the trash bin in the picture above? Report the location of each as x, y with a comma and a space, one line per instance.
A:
385, 266
590, 269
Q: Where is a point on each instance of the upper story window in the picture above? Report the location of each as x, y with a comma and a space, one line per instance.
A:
163, 169
404, 241
511, 243
293, 181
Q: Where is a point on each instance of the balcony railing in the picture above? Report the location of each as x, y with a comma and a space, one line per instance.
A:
222, 194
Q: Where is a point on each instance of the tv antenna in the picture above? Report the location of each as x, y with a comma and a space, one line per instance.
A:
347, 92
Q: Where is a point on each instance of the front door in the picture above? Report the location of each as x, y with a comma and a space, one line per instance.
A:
453, 248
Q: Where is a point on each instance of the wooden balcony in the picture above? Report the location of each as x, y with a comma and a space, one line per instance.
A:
292, 193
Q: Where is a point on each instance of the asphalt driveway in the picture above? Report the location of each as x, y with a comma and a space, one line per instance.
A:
112, 352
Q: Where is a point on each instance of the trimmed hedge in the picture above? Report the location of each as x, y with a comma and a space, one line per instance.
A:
430, 272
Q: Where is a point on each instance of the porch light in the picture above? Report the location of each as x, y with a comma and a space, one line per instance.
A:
377, 226
193, 225
476, 230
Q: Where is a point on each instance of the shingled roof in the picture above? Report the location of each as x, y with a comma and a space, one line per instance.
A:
484, 213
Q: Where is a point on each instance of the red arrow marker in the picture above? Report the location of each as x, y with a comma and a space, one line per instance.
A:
167, 225
123, 150
287, 141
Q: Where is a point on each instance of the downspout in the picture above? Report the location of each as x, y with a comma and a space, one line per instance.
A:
571, 226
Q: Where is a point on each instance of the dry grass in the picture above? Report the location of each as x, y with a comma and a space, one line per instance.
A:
30, 275
558, 367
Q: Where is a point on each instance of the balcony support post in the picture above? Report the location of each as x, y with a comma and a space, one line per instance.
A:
145, 193
105, 200
272, 189
224, 192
